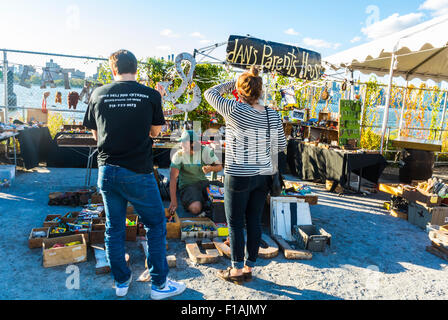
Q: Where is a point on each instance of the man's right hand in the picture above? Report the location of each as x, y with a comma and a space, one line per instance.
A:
173, 207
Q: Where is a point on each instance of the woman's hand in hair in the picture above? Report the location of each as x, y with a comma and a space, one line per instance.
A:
161, 89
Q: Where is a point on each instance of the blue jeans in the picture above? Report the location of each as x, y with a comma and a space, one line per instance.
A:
118, 186
244, 199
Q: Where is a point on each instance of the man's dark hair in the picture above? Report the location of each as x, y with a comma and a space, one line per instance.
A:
123, 61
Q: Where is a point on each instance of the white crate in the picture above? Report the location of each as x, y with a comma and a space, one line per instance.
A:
7, 172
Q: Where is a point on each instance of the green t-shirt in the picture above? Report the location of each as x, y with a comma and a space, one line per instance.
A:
190, 166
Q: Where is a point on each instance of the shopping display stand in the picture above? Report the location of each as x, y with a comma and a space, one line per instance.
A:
81, 143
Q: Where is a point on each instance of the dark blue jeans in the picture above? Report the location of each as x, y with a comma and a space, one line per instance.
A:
118, 186
244, 201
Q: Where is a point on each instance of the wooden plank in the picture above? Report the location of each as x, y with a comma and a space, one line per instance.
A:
172, 262
207, 244
440, 236
392, 189
435, 251
223, 249
271, 251
290, 253
197, 257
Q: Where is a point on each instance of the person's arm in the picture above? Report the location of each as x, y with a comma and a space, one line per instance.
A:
154, 131
210, 157
217, 101
174, 174
216, 167
158, 120
281, 136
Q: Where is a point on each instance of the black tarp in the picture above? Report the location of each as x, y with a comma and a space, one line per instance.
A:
315, 163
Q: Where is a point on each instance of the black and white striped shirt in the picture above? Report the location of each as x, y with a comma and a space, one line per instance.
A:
248, 152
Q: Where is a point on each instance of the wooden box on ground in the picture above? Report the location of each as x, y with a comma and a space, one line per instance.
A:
422, 197
333, 186
96, 198
131, 231
97, 233
37, 242
184, 222
312, 238
70, 216
172, 228
420, 215
398, 214
311, 198
48, 222
64, 255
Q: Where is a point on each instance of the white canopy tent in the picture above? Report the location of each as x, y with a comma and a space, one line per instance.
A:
417, 52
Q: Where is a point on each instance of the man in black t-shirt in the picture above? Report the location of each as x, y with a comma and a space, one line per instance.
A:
123, 117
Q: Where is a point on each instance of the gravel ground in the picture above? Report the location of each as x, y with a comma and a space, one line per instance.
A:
372, 256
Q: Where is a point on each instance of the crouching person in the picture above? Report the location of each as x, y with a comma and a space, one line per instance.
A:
189, 166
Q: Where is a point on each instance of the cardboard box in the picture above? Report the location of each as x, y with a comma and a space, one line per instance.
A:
96, 198
64, 255
184, 222
398, 214
48, 220
422, 197
97, 233
173, 228
420, 215
131, 231
70, 216
311, 198
37, 242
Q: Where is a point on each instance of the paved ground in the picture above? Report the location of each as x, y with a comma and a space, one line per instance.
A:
373, 255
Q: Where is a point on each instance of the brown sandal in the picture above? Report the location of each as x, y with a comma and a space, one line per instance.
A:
225, 275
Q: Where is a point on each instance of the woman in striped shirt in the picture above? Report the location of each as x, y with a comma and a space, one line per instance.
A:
254, 137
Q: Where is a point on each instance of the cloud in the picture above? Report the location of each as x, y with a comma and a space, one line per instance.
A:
291, 32
356, 39
205, 41
197, 35
163, 48
168, 33
391, 24
438, 7
319, 43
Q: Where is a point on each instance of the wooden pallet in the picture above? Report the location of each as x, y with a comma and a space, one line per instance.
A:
266, 253
195, 254
290, 253
271, 251
437, 252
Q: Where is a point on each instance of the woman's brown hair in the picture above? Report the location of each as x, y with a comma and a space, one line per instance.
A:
250, 85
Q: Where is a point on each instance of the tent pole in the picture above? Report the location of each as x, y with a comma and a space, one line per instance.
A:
403, 103
386, 107
442, 123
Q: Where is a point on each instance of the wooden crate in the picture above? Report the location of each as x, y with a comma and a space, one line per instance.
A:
197, 234
48, 218
73, 216
64, 255
173, 228
398, 214
131, 231
37, 242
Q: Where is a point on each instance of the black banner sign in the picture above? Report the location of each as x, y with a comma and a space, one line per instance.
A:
290, 61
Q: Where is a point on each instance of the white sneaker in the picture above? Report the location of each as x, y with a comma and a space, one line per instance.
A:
171, 288
121, 289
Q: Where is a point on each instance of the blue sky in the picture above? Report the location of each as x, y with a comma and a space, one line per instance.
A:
157, 28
